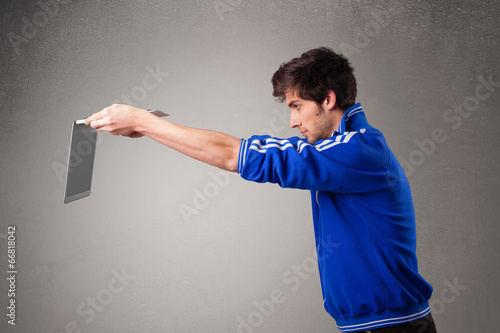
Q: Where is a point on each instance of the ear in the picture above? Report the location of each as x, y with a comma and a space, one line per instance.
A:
330, 100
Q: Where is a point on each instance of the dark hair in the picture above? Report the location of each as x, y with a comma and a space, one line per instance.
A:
313, 74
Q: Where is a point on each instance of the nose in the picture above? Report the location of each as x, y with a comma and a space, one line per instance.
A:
294, 120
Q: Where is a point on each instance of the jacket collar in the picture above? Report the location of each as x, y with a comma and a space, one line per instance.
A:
348, 119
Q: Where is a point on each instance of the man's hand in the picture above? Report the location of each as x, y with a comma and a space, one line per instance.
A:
118, 119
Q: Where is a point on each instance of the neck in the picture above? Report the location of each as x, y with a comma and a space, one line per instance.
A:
336, 117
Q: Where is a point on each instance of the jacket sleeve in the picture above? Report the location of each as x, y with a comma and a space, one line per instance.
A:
351, 162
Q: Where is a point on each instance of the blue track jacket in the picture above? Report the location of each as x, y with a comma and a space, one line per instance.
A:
364, 219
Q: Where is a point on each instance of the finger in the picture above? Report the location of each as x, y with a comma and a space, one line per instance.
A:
92, 118
98, 124
96, 116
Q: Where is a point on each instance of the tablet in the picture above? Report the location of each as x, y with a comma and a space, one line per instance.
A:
81, 159
80, 162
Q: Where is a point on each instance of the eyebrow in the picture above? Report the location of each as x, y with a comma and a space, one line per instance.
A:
293, 101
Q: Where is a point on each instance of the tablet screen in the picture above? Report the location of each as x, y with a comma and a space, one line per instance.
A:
80, 162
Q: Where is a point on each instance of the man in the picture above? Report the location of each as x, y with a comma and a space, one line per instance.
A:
360, 196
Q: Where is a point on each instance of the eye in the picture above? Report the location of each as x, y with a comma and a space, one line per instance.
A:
297, 107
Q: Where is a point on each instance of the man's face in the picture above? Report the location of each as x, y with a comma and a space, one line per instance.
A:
311, 119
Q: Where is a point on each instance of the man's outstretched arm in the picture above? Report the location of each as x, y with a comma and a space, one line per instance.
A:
215, 148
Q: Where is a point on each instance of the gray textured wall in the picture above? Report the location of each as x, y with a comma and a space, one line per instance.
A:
146, 252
